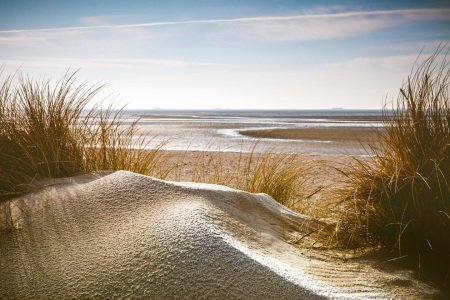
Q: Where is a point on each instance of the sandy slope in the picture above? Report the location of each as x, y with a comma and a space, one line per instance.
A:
131, 236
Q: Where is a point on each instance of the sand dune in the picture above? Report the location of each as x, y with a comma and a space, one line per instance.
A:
124, 235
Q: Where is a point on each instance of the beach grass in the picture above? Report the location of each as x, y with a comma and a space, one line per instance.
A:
280, 174
46, 131
400, 199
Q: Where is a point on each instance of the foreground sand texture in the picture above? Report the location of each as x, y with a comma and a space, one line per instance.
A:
123, 235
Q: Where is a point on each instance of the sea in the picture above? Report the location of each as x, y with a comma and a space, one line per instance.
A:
222, 129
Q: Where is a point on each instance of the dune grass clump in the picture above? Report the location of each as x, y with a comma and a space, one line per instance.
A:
46, 131
282, 174
400, 199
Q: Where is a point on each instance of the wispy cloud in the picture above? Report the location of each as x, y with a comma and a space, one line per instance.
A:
19, 39
356, 83
331, 26
104, 20
64, 62
400, 63
407, 14
426, 46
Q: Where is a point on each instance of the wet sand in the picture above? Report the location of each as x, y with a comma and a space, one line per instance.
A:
363, 135
316, 132
324, 172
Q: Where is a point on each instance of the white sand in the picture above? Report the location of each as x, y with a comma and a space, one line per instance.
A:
130, 236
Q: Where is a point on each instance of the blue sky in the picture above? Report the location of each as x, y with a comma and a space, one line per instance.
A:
265, 54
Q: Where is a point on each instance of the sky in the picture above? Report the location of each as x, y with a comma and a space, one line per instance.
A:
233, 54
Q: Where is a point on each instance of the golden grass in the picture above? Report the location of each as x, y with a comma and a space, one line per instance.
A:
282, 175
46, 131
400, 199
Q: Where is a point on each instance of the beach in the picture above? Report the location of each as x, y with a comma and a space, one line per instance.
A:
203, 140
244, 150
125, 235
323, 173
216, 221
326, 132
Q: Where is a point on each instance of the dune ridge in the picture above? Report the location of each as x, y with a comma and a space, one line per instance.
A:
124, 235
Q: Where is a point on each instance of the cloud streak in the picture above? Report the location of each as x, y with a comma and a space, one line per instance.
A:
333, 26
63, 62
407, 14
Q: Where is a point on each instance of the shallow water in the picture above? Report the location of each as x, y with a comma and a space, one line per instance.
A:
220, 130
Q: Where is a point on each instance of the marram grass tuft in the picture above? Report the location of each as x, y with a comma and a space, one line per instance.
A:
400, 199
47, 131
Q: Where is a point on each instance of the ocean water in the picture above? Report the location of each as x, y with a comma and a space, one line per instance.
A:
221, 130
